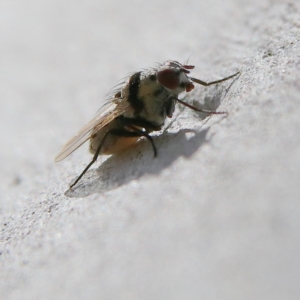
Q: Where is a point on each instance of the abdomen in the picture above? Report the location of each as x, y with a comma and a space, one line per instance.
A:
112, 144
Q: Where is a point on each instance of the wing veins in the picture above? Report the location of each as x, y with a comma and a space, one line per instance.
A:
106, 114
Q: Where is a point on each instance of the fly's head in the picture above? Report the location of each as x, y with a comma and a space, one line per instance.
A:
173, 76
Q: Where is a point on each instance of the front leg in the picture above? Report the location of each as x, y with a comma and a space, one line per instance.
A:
213, 82
201, 110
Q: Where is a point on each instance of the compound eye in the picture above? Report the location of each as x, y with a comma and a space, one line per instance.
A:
168, 78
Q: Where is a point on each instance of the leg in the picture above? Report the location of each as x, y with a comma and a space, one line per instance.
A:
201, 110
135, 133
120, 133
149, 126
92, 161
213, 82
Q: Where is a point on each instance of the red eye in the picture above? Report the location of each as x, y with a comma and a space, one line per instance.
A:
168, 78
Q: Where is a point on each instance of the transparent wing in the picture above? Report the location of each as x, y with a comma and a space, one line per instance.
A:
105, 115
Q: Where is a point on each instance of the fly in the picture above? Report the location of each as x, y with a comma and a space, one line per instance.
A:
136, 109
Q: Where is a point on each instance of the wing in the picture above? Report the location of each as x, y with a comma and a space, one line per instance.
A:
106, 114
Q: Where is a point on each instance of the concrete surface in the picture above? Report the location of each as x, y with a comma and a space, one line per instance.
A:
215, 216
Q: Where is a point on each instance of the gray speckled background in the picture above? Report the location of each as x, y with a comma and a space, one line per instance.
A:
215, 216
